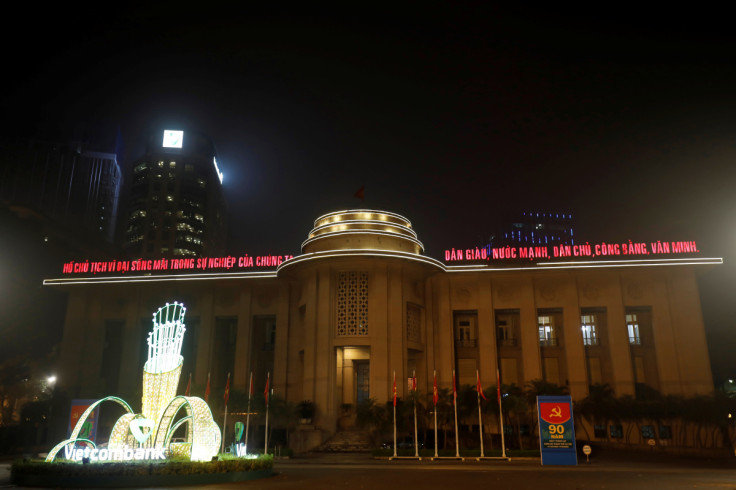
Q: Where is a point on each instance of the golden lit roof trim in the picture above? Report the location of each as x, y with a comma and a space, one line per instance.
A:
337, 216
348, 224
359, 232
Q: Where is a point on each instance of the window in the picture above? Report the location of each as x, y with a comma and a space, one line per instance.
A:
464, 330
665, 432
506, 322
464, 326
172, 164
632, 324
647, 432
547, 333
617, 431
588, 327
599, 431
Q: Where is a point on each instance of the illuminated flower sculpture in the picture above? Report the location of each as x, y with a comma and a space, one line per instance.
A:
147, 435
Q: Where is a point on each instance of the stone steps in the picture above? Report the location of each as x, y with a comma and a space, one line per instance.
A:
346, 441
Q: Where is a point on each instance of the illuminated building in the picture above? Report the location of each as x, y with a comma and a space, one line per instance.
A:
535, 228
362, 301
74, 183
175, 205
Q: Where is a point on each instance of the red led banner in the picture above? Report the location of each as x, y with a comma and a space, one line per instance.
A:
567, 251
175, 265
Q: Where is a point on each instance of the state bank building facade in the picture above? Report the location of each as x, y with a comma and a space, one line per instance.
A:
361, 302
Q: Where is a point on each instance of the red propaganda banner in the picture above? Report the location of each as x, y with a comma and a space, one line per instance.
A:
554, 413
556, 430
201, 264
590, 250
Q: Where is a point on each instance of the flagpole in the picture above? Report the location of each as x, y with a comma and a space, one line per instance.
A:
265, 450
434, 399
224, 423
416, 438
500, 413
394, 414
454, 402
247, 415
480, 418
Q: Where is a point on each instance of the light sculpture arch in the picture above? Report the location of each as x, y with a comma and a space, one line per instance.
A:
74, 437
154, 427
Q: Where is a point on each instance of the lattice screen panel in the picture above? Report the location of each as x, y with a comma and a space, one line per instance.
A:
352, 303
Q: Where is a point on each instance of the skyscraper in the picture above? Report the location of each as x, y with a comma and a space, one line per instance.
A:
529, 229
73, 183
175, 205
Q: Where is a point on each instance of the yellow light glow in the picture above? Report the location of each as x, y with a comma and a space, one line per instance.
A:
160, 404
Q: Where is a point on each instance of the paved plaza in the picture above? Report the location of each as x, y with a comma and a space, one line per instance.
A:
629, 472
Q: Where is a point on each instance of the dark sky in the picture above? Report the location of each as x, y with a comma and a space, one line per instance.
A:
450, 117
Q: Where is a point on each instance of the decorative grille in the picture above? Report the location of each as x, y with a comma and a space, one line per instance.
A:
352, 303
412, 324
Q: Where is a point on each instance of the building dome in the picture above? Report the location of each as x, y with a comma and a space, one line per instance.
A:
365, 229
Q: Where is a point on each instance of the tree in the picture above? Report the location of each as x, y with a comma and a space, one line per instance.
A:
374, 417
515, 407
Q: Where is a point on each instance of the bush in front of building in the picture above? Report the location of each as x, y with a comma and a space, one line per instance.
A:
69, 469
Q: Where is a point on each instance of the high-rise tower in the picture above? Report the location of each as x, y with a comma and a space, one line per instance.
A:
175, 206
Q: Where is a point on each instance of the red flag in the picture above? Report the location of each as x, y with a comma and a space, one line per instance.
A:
435, 393
498, 386
250, 389
479, 388
207, 390
454, 391
227, 389
414, 382
265, 392
360, 194
189, 385
394, 388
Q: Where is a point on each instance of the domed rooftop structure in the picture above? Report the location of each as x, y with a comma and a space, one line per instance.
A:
365, 229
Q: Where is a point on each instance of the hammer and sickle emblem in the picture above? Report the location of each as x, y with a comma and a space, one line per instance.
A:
556, 412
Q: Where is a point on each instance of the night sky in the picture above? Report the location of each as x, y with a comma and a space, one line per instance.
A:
452, 118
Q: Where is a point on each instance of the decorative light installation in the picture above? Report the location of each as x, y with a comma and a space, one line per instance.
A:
148, 435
